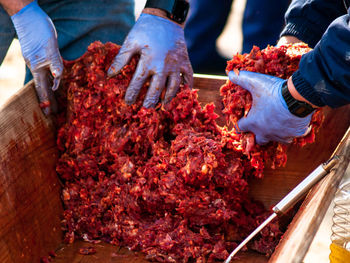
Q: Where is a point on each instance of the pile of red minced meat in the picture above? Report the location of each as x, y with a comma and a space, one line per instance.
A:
168, 181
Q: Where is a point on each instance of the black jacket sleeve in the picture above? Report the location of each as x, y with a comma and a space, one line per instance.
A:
308, 19
323, 77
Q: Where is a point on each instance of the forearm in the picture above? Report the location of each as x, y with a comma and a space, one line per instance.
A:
296, 95
13, 6
323, 77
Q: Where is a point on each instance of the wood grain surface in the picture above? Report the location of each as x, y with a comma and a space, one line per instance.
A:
301, 161
297, 240
107, 253
30, 204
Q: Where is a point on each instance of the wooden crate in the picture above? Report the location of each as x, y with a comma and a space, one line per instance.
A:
31, 208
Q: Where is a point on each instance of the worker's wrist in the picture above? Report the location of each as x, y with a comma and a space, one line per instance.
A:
285, 40
296, 95
13, 7
173, 10
160, 13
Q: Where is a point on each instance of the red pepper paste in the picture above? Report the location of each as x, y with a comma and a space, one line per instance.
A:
166, 181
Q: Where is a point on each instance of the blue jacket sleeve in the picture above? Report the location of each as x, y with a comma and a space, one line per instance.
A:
308, 19
323, 77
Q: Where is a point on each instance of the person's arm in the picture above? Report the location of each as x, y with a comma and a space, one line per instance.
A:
323, 77
307, 20
158, 37
38, 39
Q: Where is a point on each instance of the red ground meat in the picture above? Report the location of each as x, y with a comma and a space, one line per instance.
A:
87, 250
166, 181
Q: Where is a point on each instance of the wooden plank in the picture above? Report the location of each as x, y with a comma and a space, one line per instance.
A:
279, 182
30, 205
108, 253
297, 240
208, 92
301, 161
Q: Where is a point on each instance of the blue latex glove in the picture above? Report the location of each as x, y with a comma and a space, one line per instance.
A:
269, 118
163, 55
38, 39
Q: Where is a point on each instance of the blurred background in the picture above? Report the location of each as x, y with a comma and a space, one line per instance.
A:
12, 73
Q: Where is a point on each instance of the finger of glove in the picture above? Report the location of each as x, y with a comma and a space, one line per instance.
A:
261, 140
173, 85
252, 81
44, 92
56, 68
56, 83
243, 124
308, 130
124, 56
53, 102
263, 134
280, 138
136, 83
155, 89
187, 73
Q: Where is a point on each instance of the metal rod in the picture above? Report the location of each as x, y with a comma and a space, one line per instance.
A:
293, 196
304, 186
206, 76
289, 200
245, 241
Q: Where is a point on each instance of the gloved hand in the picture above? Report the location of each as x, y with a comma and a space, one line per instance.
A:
269, 118
38, 39
163, 55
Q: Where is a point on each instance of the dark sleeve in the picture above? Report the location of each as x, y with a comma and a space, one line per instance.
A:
323, 77
307, 20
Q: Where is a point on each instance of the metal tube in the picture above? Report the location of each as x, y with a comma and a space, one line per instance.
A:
289, 200
247, 239
300, 190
